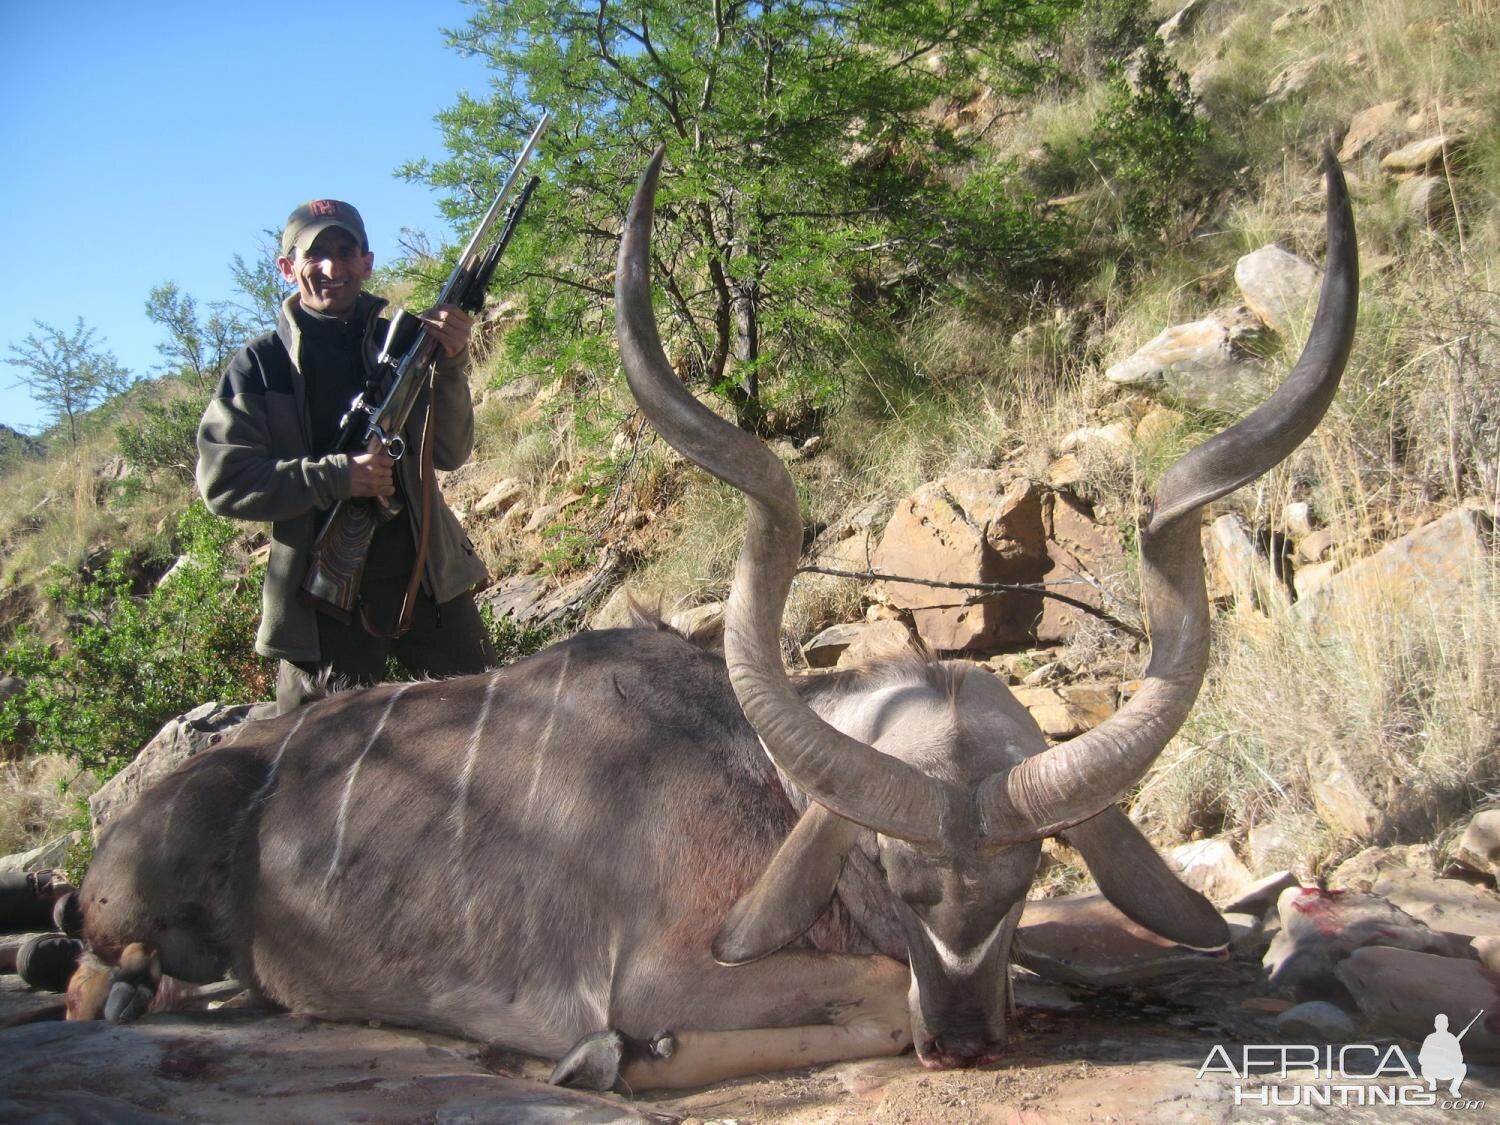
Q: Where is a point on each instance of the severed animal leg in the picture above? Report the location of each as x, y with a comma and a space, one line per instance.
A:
811, 1009
89, 989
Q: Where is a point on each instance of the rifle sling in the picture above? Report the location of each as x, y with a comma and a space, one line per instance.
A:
424, 477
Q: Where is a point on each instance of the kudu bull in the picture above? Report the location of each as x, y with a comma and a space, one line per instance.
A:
594, 846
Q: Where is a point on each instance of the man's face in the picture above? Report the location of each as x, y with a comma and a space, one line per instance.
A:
331, 274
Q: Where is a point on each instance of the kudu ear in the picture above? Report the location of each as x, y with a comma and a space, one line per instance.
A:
1133, 876
792, 892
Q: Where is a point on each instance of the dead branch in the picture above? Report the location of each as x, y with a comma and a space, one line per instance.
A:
988, 590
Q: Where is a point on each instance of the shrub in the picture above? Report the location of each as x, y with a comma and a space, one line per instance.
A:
165, 440
515, 641
1149, 140
1100, 32
130, 663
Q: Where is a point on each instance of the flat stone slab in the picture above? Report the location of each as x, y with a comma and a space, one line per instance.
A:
1401, 992
20, 1003
1083, 939
1450, 905
1064, 1068
253, 1067
1077, 1056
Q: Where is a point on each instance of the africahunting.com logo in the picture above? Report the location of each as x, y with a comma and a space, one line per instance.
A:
1353, 1074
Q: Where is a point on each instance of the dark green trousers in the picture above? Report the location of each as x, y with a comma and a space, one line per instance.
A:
444, 640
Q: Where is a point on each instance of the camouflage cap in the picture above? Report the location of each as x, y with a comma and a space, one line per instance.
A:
314, 217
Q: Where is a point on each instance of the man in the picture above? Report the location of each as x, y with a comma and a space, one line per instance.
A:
1442, 1056
265, 452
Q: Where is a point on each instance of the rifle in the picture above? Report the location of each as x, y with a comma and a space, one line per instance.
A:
403, 368
1470, 1024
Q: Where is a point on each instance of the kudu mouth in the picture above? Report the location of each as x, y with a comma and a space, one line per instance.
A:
959, 1053
1070, 782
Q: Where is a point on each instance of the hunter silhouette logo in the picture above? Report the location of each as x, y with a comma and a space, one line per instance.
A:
1441, 1057
1349, 1074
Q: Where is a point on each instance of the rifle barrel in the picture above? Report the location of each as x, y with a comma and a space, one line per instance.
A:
1470, 1024
449, 291
388, 418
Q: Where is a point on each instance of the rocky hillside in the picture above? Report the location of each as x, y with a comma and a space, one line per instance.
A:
15, 445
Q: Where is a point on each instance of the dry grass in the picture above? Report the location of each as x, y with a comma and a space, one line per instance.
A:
1402, 695
960, 392
704, 528
57, 511
522, 441
37, 798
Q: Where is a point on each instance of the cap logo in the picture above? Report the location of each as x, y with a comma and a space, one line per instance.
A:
317, 214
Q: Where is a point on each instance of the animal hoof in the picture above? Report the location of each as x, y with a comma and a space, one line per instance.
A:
593, 1063
596, 1060
132, 984
126, 1002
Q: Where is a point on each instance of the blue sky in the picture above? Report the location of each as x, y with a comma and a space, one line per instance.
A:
152, 141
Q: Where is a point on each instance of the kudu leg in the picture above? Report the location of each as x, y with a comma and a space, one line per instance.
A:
89, 989
805, 1009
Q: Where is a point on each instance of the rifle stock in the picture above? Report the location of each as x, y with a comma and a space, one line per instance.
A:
342, 544
336, 564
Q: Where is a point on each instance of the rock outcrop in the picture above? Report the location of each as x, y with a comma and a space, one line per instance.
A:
987, 526
1437, 563
178, 740
1211, 363
1279, 287
1478, 848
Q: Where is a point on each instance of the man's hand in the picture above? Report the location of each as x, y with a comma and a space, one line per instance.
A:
370, 474
450, 326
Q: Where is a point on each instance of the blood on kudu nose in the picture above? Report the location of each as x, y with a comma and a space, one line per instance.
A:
953, 1052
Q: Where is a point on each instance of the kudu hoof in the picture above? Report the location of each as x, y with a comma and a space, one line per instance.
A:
596, 1060
132, 985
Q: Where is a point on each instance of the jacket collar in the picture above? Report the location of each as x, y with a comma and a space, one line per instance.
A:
366, 311
366, 308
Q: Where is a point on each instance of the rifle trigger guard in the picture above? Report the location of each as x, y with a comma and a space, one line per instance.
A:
395, 446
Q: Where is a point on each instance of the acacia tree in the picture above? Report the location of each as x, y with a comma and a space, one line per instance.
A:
194, 346
803, 159
260, 283
69, 375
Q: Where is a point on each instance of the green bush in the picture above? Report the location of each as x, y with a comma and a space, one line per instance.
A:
1098, 34
1149, 140
513, 641
129, 663
165, 440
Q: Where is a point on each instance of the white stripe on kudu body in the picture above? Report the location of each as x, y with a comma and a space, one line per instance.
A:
539, 757
343, 817
263, 793
460, 814
266, 786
